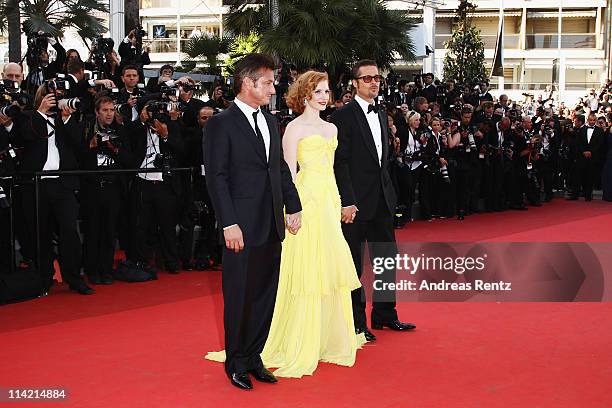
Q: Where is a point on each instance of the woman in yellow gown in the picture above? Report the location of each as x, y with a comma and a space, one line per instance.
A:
313, 316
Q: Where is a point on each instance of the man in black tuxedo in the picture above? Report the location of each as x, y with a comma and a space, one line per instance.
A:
50, 141
249, 184
589, 150
368, 199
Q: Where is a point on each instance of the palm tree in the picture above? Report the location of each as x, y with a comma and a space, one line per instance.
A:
327, 33
51, 17
208, 47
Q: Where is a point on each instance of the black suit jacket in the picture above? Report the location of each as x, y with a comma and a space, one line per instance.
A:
359, 176
173, 146
244, 188
595, 146
429, 93
32, 137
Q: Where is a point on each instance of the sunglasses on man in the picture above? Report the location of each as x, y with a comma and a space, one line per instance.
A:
368, 78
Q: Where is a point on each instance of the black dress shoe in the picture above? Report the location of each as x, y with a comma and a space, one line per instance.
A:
572, 198
461, 216
368, 334
393, 325
202, 265
241, 380
588, 198
82, 289
263, 375
187, 266
101, 280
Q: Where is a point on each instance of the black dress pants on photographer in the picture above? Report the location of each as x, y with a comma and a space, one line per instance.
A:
100, 204
57, 207
462, 185
426, 185
407, 181
496, 182
154, 203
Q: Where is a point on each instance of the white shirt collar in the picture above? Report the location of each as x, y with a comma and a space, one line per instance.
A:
73, 77
246, 109
362, 103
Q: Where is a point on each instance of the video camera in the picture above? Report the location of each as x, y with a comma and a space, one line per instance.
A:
100, 47
37, 44
121, 104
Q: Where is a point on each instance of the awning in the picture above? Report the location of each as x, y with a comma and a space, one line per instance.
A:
564, 14
482, 14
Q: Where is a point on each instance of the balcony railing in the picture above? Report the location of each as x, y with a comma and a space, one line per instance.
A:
511, 41
164, 45
543, 86
548, 41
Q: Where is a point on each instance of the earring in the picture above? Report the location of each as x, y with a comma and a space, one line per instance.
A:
305, 101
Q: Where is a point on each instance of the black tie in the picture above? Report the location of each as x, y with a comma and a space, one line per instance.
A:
372, 108
52, 132
258, 131
591, 127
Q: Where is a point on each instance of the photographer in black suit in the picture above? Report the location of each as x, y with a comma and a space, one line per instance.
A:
50, 141
156, 142
429, 90
82, 88
368, 199
40, 69
589, 149
105, 146
132, 53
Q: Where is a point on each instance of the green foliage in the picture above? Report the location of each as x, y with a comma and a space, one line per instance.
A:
464, 60
327, 33
207, 47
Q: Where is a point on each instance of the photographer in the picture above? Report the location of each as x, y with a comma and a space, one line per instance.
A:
429, 91
156, 143
131, 52
165, 74
105, 146
50, 141
588, 153
218, 100
37, 58
129, 95
82, 88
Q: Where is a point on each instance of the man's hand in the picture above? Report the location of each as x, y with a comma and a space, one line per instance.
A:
144, 115
587, 154
160, 128
66, 112
443, 162
293, 222
347, 214
48, 102
233, 239
132, 101
5, 120
107, 83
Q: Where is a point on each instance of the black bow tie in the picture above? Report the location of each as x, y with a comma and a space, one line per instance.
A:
372, 108
590, 127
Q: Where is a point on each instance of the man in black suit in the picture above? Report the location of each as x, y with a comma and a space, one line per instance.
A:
155, 143
50, 141
45, 70
368, 199
249, 184
589, 149
429, 90
105, 146
83, 88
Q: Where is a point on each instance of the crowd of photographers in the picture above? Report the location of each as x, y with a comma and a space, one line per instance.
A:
60, 119
457, 152
460, 151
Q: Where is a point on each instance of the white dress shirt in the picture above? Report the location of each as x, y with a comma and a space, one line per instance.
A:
589, 134
374, 124
53, 157
411, 148
152, 151
261, 123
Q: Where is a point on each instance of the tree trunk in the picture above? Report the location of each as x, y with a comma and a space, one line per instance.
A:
132, 15
14, 31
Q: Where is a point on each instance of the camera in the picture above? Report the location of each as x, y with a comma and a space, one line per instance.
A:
140, 33
9, 93
191, 87
101, 46
71, 103
107, 135
164, 162
158, 110
37, 44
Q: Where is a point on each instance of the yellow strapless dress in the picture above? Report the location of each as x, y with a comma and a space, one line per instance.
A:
313, 316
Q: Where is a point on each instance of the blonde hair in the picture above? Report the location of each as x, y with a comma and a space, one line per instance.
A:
412, 115
303, 88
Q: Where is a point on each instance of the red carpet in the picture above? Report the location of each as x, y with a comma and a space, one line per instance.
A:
142, 345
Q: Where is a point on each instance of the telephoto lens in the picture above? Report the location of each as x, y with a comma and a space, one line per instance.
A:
72, 103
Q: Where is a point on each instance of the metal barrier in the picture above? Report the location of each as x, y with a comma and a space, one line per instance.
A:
36, 177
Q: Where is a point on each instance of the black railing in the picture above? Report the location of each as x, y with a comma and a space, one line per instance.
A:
36, 178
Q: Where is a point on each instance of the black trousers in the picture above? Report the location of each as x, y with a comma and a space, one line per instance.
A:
154, 204
462, 184
249, 281
379, 234
584, 176
426, 188
407, 181
58, 210
100, 205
